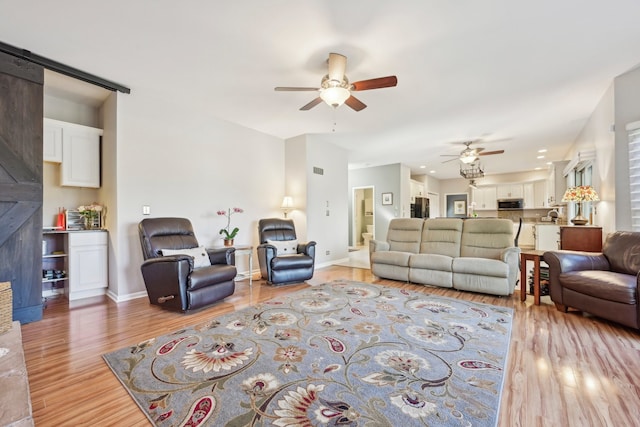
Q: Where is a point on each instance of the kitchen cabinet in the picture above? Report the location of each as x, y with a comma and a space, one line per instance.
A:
87, 264
547, 237
79, 155
75, 263
510, 191
416, 190
540, 195
526, 240
528, 195
52, 141
484, 198
581, 238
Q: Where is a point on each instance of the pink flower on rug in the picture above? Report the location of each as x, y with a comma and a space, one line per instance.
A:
220, 359
294, 406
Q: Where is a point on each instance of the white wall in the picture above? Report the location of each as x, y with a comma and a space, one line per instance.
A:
321, 214
597, 134
183, 162
627, 109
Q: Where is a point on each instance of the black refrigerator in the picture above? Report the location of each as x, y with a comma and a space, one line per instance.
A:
420, 208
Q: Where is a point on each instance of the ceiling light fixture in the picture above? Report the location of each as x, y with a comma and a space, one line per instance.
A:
334, 92
474, 171
468, 157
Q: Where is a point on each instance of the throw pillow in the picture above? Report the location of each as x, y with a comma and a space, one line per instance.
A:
199, 254
285, 247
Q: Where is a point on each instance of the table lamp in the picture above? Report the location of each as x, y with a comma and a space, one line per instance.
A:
580, 194
287, 204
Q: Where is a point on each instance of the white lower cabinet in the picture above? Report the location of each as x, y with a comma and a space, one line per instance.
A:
88, 275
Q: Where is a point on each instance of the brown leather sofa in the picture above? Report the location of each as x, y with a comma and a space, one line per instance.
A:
175, 281
604, 283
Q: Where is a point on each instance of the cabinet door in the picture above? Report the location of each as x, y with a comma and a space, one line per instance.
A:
80, 157
540, 194
88, 274
52, 142
587, 239
529, 199
510, 191
490, 198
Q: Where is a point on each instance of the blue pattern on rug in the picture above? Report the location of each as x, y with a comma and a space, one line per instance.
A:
343, 353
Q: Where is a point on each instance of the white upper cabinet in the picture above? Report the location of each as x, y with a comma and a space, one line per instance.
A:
510, 191
417, 190
484, 198
541, 194
52, 141
80, 154
528, 195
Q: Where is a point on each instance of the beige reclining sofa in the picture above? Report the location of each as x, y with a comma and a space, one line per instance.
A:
472, 255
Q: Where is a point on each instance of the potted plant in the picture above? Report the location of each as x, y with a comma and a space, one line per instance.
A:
227, 232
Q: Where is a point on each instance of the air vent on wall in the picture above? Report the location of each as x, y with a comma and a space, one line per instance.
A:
318, 171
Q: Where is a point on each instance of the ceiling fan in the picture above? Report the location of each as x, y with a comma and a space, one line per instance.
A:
335, 88
470, 155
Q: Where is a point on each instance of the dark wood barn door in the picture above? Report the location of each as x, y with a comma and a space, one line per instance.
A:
21, 112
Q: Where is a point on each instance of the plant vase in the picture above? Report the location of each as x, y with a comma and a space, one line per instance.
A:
228, 242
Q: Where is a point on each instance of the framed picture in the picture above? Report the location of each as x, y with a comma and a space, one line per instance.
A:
459, 207
387, 198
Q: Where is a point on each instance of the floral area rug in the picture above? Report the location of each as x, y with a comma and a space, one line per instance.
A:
340, 354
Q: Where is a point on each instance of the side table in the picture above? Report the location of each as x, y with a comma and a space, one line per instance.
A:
535, 256
248, 251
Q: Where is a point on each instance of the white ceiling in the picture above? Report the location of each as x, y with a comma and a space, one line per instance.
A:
520, 76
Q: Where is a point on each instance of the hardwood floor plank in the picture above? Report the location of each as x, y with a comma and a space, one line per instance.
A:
564, 369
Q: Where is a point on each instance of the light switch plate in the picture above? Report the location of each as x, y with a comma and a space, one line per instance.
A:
146, 210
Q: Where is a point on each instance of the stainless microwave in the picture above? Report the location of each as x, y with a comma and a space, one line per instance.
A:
510, 204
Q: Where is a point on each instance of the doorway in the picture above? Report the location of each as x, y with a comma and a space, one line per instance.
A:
363, 220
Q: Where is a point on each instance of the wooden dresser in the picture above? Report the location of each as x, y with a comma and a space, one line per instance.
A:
581, 238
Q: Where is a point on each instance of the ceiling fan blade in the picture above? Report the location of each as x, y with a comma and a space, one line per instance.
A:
378, 83
337, 66
450, 160
478, 149
312, 104
355, 103
292, 89
488, 153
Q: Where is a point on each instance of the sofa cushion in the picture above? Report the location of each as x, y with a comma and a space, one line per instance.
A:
486, 238
600, 284
199, 254
622, 249
284, 247
480, 267
391, 257
404, 234
211, 275
441, 236
431, 262
290, 262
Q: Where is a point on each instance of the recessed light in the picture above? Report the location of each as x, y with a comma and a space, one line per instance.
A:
422, 166
538, 169
540, 157
543, 150
549, 163
432, 171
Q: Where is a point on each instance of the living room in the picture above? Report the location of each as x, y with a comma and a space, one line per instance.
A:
171, 150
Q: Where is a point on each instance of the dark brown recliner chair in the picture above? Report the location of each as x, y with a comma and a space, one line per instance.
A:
282, 259
605, 283
173, 281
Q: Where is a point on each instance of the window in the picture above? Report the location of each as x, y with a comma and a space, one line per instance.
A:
634, 174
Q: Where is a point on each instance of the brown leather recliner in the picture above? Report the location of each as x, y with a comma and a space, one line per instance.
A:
282, 258
173, 281
604, 284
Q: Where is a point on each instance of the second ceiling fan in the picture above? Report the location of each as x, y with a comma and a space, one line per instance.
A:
470, 155
335, 88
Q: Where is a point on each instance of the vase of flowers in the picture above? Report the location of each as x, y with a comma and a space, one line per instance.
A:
91, 214
228, 233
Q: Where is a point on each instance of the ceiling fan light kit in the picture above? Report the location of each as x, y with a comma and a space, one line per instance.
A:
335, 88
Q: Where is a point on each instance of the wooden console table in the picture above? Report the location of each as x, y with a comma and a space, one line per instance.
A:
536, 257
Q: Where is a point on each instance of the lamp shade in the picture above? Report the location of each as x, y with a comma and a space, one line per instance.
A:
335, 96
581, 193
287, 202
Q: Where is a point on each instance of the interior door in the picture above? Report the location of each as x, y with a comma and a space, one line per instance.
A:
21, 111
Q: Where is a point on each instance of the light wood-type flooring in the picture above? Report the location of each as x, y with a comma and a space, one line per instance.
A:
563, 369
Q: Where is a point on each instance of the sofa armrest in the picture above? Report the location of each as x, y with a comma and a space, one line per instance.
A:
308, 248
167, 276
565, 261
222, 256
510, 255
378, 246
